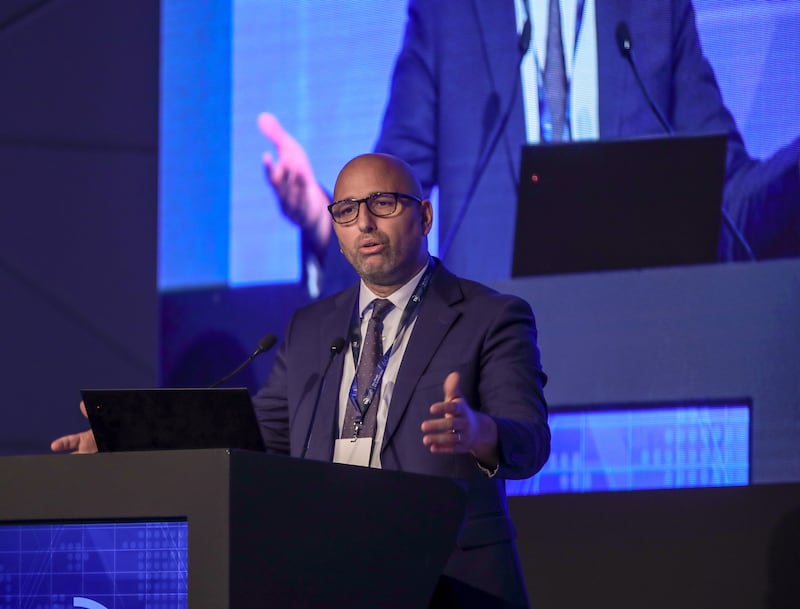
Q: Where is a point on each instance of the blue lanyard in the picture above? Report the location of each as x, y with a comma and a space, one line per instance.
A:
409, 314
545, 117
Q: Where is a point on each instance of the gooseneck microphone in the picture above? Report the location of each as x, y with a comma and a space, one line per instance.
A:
265, 344
337, 346
523, 43
625, 47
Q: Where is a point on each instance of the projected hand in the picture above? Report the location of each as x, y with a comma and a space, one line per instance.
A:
301, 198
82, 442
458, 428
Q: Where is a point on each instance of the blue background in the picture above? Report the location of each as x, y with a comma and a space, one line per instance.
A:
324, 72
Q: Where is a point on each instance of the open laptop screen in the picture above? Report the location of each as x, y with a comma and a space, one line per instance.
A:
164, 419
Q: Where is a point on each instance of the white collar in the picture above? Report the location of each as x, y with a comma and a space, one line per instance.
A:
399, 298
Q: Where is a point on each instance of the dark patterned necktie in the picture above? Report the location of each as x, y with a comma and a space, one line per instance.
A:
371, 352
555, 74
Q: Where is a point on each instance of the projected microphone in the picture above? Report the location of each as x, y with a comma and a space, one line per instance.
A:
625, 47
337, 346
523, 44
265, 344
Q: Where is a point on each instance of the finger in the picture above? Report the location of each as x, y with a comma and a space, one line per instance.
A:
445, 410
452, 390
267, 161
444, 443
442, 424
271, 127
275, 171
446, 438
70, 442
83, 409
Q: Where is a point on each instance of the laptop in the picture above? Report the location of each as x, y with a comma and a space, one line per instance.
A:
167, 419
605, 205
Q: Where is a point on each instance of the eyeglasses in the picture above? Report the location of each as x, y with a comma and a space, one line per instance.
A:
379, 204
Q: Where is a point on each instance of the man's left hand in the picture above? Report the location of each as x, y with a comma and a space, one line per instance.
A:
457, 428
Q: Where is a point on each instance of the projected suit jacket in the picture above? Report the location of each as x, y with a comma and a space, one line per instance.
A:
455, 74
463, 326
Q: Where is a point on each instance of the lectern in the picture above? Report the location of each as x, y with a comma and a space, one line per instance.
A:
263, 531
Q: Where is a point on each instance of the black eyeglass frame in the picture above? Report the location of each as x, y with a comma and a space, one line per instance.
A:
369, 200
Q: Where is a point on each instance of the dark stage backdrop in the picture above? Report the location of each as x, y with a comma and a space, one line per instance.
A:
78, 194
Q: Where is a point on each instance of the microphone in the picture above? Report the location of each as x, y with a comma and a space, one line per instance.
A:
265, 344
523, 43
625, 47
337, 346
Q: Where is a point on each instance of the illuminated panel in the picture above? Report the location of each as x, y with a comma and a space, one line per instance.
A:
605, 449
325, 73
132, 565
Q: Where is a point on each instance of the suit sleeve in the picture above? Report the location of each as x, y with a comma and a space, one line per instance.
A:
271, 405
762, 198
409, 128
511, 390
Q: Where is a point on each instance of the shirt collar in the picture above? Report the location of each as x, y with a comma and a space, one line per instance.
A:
399, 298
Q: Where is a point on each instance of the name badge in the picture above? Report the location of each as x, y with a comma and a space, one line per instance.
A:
345, 450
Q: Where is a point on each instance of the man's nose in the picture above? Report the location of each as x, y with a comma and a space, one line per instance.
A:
365, 220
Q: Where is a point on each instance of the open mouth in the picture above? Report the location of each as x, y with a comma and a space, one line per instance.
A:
370, 247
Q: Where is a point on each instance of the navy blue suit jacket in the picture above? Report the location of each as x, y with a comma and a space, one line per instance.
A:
454, 78
464, 326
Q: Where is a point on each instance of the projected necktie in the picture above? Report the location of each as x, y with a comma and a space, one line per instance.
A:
555, 74
371, 352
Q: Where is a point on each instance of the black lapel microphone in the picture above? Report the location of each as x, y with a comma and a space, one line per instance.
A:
337, 346
625, 47
265, 344
523, 43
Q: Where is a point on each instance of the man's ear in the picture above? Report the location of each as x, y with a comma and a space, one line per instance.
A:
426, 216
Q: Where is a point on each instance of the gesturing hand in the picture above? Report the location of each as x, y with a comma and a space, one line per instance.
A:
457, 428
291, 175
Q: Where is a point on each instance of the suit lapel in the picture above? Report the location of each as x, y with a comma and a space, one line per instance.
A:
497, 26
333, 323
435, 318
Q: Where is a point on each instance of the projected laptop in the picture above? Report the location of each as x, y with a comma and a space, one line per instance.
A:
165, 419
603, 205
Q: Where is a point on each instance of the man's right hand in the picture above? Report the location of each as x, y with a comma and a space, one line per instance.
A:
291, 176
82, 442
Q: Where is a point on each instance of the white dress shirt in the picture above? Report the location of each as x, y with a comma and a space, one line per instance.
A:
580, 62
391, 323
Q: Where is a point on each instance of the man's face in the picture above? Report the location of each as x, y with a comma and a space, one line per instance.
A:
385, 251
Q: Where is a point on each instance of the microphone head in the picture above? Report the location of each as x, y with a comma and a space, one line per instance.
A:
266, 343
337, 345
624, 43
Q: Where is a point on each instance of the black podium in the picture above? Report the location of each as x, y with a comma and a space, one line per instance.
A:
264, 531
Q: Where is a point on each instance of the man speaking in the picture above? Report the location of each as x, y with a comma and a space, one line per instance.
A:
436, 375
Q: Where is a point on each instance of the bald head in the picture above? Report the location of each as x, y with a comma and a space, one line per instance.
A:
375, 172
386, 250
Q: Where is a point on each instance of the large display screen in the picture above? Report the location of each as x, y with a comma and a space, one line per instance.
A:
99, 565
323, 70
644, 447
